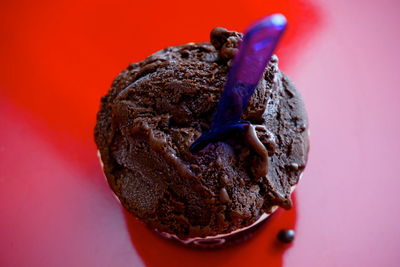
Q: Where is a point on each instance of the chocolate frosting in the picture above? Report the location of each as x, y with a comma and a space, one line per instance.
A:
154, 111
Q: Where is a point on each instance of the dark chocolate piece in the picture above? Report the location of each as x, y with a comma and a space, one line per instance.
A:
286, 236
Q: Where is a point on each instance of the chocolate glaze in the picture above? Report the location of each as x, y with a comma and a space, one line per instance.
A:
154, 111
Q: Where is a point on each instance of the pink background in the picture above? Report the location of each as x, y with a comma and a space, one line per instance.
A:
59, 58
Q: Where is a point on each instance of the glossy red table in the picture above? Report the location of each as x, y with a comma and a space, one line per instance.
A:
59, 57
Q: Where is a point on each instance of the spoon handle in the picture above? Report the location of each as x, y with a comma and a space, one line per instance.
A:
253, 55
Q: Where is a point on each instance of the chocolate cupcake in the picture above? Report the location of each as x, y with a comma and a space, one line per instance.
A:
158, 107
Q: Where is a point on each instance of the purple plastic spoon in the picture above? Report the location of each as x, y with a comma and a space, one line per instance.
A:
255, 51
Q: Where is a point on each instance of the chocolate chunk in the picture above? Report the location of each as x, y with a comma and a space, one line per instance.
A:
226, 42
294, 166
224, 179
223, 196
286, 236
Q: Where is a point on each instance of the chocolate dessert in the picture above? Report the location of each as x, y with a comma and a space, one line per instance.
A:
158, 107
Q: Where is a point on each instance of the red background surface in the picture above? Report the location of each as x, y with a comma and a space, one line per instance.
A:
59, 57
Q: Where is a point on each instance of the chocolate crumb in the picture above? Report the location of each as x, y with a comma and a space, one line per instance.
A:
224, 179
